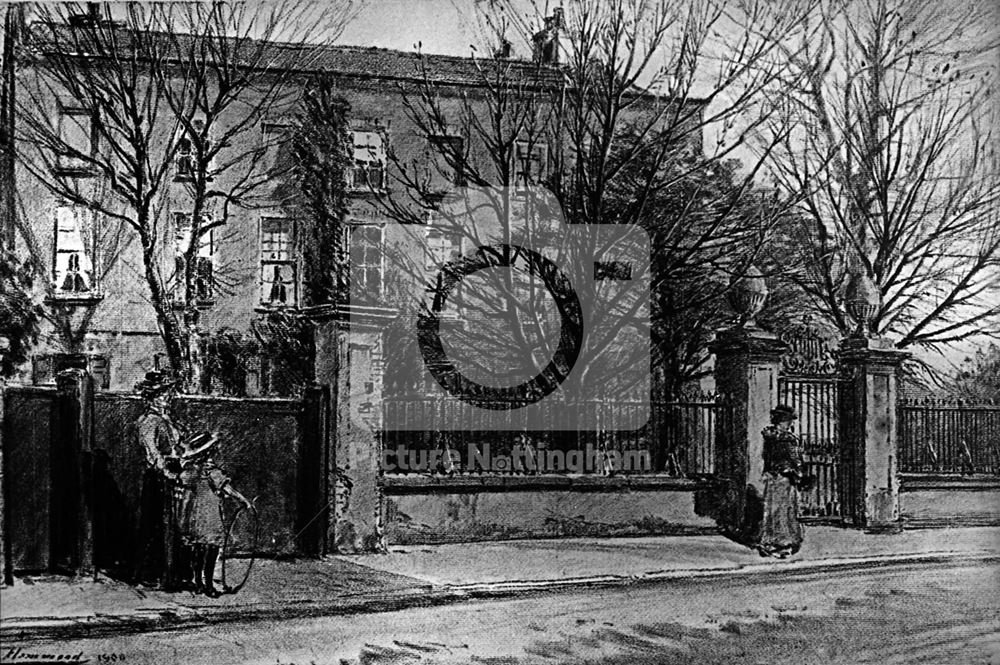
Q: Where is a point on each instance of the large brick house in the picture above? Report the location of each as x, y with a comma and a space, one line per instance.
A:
253, 264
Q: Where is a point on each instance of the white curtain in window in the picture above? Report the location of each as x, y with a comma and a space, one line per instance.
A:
74, 268
369, 147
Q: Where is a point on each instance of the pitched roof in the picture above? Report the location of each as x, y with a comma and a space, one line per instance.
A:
371, 62
350, 61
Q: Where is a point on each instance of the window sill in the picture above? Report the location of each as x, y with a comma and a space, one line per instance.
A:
366, 191
201, 304
74, 299
74, 172
267, 308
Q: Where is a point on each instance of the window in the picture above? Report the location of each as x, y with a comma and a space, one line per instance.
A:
449, 155
277, 156
187, 150
278, 283
365, 242
76, 138
442, 247
74, 268
204, 284
369, 160
529, 164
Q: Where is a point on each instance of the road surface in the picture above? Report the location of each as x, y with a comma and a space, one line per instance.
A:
923, 614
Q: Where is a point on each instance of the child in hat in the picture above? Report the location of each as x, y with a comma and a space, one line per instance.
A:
201, 526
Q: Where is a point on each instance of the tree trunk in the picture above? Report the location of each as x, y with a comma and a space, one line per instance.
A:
169, 329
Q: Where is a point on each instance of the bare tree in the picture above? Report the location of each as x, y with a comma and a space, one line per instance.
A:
175, 95
889, 138
614, 122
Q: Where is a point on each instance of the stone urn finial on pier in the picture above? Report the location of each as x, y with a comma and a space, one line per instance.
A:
747, 295
862, 299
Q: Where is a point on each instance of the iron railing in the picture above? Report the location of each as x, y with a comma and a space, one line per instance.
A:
676, 439
949, 436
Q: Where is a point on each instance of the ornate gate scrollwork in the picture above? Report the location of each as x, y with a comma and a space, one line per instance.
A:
810, 352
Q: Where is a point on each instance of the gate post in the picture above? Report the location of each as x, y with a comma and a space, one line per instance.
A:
72, 514
6, 576
348, 358
869, 433
312, 508
747, 366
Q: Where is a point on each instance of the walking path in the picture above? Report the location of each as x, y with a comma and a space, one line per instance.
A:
49, 607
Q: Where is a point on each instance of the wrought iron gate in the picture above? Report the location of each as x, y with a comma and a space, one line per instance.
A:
816, 400
810, 385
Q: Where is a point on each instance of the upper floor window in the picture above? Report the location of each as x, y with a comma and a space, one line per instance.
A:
277, 157
365, 243
278, 266
74, 267
370, 156
529, 164
76, 138
442, 246
449, 157
187, 150
204, 280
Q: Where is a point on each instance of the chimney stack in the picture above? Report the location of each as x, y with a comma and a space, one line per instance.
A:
546, 40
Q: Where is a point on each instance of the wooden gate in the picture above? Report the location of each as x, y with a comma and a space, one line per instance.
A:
810, 385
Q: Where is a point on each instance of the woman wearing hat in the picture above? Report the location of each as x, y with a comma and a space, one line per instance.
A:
780, 534
157, 436
201, 527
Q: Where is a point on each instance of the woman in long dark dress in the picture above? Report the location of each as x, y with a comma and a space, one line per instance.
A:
780, 534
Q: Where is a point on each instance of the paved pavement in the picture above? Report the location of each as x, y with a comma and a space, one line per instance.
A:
941, 614
56, 607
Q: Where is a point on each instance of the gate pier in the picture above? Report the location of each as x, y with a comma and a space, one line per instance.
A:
870, 433
746, 372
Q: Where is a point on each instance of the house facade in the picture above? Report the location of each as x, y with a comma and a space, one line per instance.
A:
251, 264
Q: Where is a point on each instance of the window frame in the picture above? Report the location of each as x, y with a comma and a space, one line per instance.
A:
66, 164
188, 175
353, 227
292, 261
270, 149
352, 176
459, 176
541, 148
85, 223
204, 259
